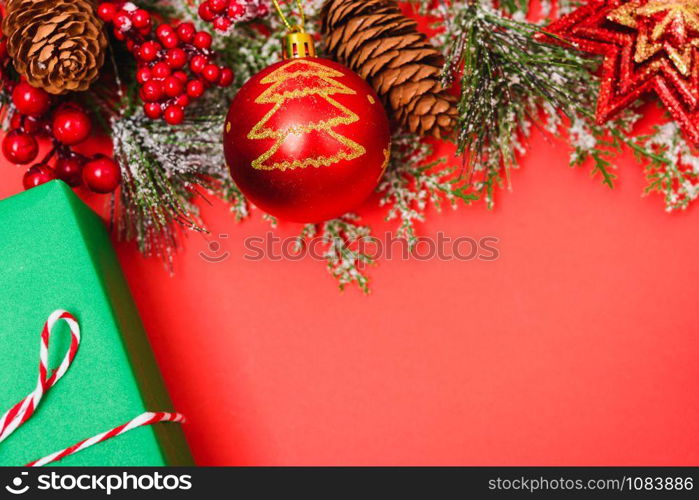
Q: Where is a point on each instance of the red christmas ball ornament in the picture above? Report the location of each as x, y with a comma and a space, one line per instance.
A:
70, 170
102, 174
30, 100
37, 175
306, 139
19, 147
71, 126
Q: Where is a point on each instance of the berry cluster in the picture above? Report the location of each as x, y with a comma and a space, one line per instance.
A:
175, 61
66, 124
224, 13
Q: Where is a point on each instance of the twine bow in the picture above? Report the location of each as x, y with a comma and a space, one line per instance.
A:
23, 411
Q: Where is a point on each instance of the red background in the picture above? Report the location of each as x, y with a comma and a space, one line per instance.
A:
577, 346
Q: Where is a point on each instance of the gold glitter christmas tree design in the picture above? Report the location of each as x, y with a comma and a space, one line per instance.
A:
299, 85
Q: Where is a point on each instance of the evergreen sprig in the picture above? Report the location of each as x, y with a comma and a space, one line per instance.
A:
508, 79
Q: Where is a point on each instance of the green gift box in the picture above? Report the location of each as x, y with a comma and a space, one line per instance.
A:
55, 254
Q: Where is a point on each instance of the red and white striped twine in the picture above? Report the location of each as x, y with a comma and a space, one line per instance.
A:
22, 411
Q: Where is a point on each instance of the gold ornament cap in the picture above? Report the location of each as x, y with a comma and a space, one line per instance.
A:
297, 43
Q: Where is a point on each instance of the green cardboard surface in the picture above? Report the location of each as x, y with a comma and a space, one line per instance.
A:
55, 254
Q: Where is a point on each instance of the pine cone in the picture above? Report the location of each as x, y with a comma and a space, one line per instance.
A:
58, 45
375, 39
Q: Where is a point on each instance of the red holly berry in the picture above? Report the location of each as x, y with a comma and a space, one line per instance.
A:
19, 147
174, 115
205, 12
153, 110
236, 10
226, 77
202, 40
152, 91
173, 86
106, 11
37, 175
30, 100
181, 75
101, 174
176, 58
70, 170
182, 101
143, 75
218, 6
161, 70
141, 19
186, 32
122, 23
198, 63
195, 88
222, 23
211, 72
32, 125
71, 125
149, 51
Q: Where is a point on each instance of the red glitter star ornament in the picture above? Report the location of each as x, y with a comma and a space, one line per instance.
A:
648, 45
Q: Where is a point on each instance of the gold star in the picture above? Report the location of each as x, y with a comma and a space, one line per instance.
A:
661, 24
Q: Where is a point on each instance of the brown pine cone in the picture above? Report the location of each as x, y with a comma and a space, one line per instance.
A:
58, 45
375, 39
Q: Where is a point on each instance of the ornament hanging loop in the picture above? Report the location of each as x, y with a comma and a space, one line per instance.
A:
296, 43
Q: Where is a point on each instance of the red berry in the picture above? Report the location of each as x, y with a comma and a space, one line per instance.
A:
102, 174
236, 10
37, 175
19, 147
167, 36
173, 86
182, 101
32, 125
29, 100
153, 110
164, 31
174, 115
122, 23
176, 58
195, 88
149, 51
71, 126
70, 170
152, 91
198, 63
181, 75
226, 77
186, 32
202, 40
171, 41
222, 23
161, 70
211, 72
205, 12
106, 11
16, 120
143, 75
218, 6
141, 18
